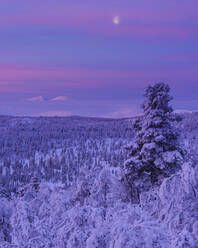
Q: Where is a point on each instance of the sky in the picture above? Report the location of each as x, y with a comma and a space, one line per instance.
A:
95, 58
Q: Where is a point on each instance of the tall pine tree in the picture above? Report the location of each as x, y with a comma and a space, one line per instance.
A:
155, 152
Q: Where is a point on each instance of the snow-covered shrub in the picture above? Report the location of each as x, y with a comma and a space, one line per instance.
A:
174, 204
5, 227
155, 153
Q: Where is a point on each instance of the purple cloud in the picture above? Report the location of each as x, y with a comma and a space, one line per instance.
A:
36, 99
59, 98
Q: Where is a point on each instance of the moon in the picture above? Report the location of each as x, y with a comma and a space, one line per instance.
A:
116, 20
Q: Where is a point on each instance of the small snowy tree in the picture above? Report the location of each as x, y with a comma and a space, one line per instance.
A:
155, 152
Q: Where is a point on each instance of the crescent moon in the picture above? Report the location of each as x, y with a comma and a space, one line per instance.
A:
116, 20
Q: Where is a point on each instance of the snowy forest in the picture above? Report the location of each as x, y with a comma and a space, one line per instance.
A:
83, 182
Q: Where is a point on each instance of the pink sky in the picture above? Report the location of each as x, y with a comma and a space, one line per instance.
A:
73, 49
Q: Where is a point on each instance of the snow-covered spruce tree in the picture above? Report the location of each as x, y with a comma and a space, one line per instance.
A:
155, 152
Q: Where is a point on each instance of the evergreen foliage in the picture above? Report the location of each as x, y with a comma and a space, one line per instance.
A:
155, 152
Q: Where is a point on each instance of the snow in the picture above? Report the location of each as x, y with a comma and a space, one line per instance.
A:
95, 210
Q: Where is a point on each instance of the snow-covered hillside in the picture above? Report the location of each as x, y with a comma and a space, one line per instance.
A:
63, 187
96, 212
